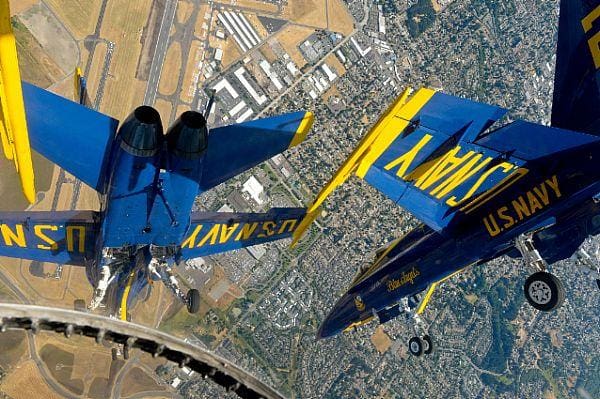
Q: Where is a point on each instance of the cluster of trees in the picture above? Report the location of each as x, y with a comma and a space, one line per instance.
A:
420, 17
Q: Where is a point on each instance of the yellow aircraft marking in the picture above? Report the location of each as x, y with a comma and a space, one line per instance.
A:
594, 41
426, 298
305, 125
391, 124
358, 324
77, 83
13, 124
497, 189
125, 296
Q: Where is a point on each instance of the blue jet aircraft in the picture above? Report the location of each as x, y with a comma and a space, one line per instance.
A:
481, 191
147, 181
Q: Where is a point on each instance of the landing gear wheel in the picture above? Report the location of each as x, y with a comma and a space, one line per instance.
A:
192, 300
415, 346
427, 345
544, 291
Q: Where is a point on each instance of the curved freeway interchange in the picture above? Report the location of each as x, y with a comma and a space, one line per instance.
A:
69, 322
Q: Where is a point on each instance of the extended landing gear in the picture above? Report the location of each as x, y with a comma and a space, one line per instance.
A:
543, 290
420, 346
160, 266
192, 300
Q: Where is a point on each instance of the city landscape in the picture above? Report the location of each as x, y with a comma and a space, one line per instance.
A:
261, 307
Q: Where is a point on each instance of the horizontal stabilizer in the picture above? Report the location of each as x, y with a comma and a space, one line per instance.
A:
67, 237
215, 232
72, 136
236, 148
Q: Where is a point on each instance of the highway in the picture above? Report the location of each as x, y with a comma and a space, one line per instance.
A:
69, 322
160, 52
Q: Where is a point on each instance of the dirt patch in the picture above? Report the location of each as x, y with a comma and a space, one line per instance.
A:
164, 108
148, 40
290, 37
19, 6
171, 70
13, 348
79, 16
35, 64
335, 63
380, 340
184, 11
52, 36
307, 12
27, 383
123, 23
137, 381
340, 19
100, 388
556, 339
471, 298
60, 365
231, 52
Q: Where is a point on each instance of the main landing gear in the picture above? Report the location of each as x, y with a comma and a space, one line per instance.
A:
160, 266
543, 291
420, 346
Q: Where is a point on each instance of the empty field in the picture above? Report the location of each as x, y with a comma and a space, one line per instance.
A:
192, 72
290, 37
137, 381
123, 24
27, 383
307, 12
340, 19
171, 70
184, 11
164, 108
79, 16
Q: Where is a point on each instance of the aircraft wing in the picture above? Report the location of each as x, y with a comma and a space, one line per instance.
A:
235, 148
72, 136
214, 232
67, 237
433, 155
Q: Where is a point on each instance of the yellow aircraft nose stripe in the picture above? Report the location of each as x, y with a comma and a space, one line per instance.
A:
305, 125
13, 130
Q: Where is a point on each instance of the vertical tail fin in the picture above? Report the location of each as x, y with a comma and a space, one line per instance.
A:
13, 125
81, 92
576, 104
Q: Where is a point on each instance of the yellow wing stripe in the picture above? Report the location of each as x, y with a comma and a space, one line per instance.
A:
125, 296
303, 129
391, 124
13, 128
426, 298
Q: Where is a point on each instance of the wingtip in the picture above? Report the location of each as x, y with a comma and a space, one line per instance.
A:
303, 128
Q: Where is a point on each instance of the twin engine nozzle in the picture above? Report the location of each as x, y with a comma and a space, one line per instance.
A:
142, 134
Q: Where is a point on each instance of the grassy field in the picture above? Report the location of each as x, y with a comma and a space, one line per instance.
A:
19, 6
13, 348
79, 16
60, 364
307, 12
137, 381
171, 70
184, 11
339, 18
36, 65
164, 108
27, 383
123, 24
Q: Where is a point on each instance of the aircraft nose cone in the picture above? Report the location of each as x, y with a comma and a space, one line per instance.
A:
341, 316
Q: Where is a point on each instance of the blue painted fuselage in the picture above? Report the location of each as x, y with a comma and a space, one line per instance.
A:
554, 199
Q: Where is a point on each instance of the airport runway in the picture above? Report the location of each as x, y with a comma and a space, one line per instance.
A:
160, 52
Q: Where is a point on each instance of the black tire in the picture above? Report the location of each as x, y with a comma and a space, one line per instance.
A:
544, 291
427, 345
193, 301
415, 346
